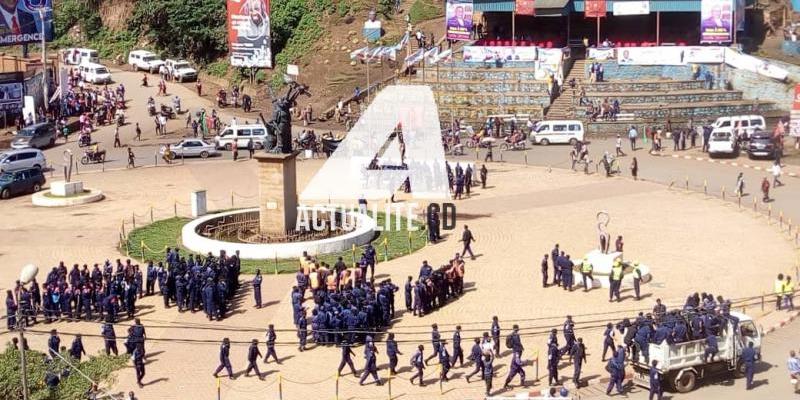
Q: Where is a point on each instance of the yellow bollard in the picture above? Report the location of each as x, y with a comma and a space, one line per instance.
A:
441, 388
280, 387
705, 187
477, 156
409, 242
740, 200
141, 247
337, 387
133, 218
389, 384
526, 157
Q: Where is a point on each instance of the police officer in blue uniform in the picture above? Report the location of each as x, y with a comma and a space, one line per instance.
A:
417, 361
545, 264
458, 352
711, 348
514, 369
53, 344
569, 335
749, 357
271, 344
578, 355
371, 366
553, 356
496, 334
554, 259
224, 358
138, 364
444, 361
608, 340
476, 355
253, 354
302, 330
409, 293
257, 287
347, 354
435, 343
488, 372
655, 382
392, 351
76, 350
109, 338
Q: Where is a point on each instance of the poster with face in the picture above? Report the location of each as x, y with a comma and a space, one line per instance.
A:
716, 20
20, 21
249, 33
459, 19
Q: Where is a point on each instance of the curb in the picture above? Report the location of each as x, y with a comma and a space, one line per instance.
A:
571, 386
791, 317
722, 162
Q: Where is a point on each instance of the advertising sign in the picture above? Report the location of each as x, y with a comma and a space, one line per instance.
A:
601, 53
459, 19
505, 53
594, 8
704, 54
249, 34
716, 20
525, 7
21, 23
754, 64
631, 7
664, 55
11, 93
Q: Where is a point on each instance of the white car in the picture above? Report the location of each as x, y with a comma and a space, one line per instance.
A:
144, 60
192, 148
13, 160
180, 70
547, 132
722, 143
94, 73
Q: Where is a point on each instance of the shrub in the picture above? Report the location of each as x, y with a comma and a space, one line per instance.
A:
422, 10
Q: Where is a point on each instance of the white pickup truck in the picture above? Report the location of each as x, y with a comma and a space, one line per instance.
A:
682, 364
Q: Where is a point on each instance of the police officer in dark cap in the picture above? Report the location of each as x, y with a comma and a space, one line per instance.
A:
347, 354
392, 351
224, 358
253, 354
476, 355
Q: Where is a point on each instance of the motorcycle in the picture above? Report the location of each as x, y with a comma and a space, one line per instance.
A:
222, 98
513, 145
120, 118
84, 140
151, 108
94, 157
167, 111
176, 104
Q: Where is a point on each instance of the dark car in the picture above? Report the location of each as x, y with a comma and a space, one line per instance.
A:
21, 181
761, 144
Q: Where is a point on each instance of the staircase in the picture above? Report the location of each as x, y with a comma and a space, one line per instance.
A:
563, 107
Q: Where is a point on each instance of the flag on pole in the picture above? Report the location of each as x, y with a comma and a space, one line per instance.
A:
431, 53
359, 53
402, 43
374, 53
445, 56
415, 57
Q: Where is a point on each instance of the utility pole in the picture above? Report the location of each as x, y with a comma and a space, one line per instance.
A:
23, 361
45, 83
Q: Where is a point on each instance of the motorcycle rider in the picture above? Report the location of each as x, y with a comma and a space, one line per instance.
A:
151, 105
176, 104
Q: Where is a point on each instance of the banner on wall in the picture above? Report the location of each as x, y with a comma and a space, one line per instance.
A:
594, 8
11, 92
525, 7
754, 64
249, 34
21, 23
549, 56
459, 19
704, 54
601, 53
631, 7
664, 55
716, 20
504, 53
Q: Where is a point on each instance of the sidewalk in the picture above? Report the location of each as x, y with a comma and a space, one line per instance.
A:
790, 168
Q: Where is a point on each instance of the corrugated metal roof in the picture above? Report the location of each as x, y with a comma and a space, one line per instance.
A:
655, 5
578, 5
508, 5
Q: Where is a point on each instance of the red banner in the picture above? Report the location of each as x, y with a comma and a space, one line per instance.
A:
525, 7
594, 8
796, 102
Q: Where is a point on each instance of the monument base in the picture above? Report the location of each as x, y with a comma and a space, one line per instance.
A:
65, 189
277, 188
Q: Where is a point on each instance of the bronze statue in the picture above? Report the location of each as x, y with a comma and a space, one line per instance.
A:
281, 123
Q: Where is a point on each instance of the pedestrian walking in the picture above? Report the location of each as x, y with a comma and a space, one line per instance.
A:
138, 132
235, 150
253, 355
131, 159
484, 173
618, 146
489, 155
655, 381
271, 336
740, 184
199, 87
467, 239
224, 359
117, 142
632, 135
250, 148
257, 288
417, 362
765, 189
776, 174
635, 169
488, 372
749, 357
138, 364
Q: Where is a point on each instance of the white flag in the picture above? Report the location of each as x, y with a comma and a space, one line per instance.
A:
359, 53
446, 56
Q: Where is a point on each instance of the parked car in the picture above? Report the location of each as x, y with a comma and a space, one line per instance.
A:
180, 70
761, 145
38, 136
19, 182
77, 56
94, 73
14, 160
144, 60
722, 143
241, 134
547, 132
192, 148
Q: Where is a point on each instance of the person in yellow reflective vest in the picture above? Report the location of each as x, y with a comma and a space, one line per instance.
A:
788, 293
637, 279
586, 272
778, 291
616, 281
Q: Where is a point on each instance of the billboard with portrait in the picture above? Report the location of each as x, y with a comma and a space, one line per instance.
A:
248, 33
459, 19
503, 53
11, 91
716, 21
21, 22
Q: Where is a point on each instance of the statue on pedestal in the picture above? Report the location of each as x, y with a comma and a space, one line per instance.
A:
280, 126
602, 230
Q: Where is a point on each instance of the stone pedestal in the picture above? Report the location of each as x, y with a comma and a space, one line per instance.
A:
199, 207
277, 189
64, 189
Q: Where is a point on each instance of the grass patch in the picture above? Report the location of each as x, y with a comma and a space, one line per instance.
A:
52, 196
149, 242
73, 387
424, 10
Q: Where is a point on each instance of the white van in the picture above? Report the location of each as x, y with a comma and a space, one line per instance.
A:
94, 73
747, 124
77, 56
722, 142
144, 60
241, 134
546, 132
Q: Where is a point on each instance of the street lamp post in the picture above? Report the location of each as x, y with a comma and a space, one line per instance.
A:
27, 274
